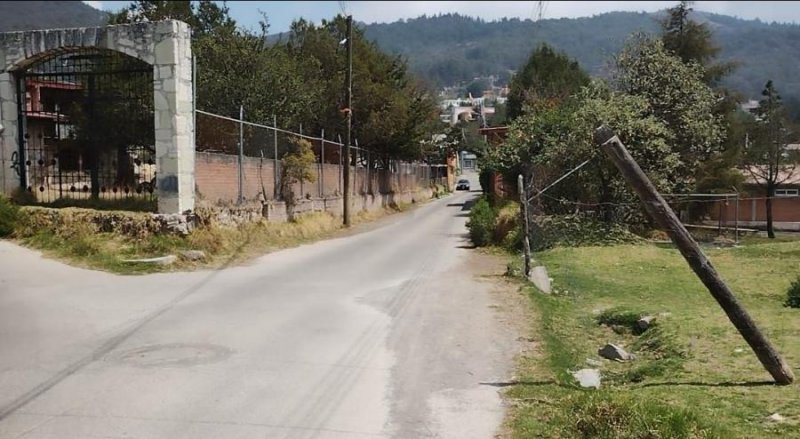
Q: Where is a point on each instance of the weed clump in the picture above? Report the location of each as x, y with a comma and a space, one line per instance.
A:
793, 294
620, 320
9, 213
599, 416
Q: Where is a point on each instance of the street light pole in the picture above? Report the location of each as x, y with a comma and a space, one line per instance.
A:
349, 111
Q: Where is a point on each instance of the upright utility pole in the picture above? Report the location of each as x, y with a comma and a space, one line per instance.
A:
346, 153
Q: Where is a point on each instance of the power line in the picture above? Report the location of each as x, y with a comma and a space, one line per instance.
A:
573, 170
623, 204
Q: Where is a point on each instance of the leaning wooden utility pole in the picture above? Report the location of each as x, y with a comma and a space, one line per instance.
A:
665, 217
349, 111
526, 242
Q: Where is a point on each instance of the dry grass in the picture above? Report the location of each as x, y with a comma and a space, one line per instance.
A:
81, 245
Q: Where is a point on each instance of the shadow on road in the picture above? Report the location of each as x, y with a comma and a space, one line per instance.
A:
524, 383
723, 384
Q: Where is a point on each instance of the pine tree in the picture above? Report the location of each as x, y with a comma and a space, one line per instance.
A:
692, 42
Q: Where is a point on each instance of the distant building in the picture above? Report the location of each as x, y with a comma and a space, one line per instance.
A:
749, 106
495, 136
751, 210
469, 161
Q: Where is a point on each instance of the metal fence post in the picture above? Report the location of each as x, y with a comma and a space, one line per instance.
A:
736, 224
275, 170
241, 154
322, 165
356, 157
341, 193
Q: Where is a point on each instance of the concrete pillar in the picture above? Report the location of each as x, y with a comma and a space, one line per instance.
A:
174, 126
166, 45
9, 178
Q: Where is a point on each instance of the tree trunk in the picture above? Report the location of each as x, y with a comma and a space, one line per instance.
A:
770, 194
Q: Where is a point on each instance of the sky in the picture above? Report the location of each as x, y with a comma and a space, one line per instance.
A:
281, 13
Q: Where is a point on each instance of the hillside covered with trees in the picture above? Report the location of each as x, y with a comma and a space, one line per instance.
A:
31, 14
448, 49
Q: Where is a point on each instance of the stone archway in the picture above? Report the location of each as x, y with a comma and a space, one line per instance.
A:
165, 45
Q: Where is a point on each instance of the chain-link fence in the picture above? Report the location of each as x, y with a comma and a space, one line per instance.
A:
240, 161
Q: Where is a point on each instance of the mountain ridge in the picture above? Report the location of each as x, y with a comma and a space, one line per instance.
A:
451, 48
446, 49
35, 15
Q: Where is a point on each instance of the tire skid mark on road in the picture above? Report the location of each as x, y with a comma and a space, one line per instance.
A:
101, 351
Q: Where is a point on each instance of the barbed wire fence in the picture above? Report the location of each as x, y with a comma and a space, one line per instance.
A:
238, 161
705, 214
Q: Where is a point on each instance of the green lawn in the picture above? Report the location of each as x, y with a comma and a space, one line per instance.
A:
694, 375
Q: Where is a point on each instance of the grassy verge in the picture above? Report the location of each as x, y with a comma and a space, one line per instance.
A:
81, 245
694, 376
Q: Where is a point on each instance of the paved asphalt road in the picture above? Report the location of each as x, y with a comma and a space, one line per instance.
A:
385, 333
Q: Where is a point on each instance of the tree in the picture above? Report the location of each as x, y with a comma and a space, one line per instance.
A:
500, 116
296, 167
677, 95
301, 80
547, 78
767, 158
476, 88
692, 42
553, 141
392, 112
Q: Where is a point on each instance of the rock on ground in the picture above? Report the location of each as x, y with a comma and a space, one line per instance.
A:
193, 255
614, 352
644, 323
540, 279
589, 378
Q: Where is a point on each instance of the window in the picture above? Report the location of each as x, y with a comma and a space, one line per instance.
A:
787, 192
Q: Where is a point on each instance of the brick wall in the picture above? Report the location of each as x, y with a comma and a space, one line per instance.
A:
753, 212
785, 209
217, 179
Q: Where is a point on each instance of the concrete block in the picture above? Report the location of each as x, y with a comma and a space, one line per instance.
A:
166, 52
164, 72
161, 100
168, 85
9, 110
164, 134
7, 91
540, 279
165, 122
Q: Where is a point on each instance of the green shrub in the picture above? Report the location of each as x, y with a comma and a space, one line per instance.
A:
481, 224
620, 320
600, 415
793, 294
576, 230
507, 221
9, 214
